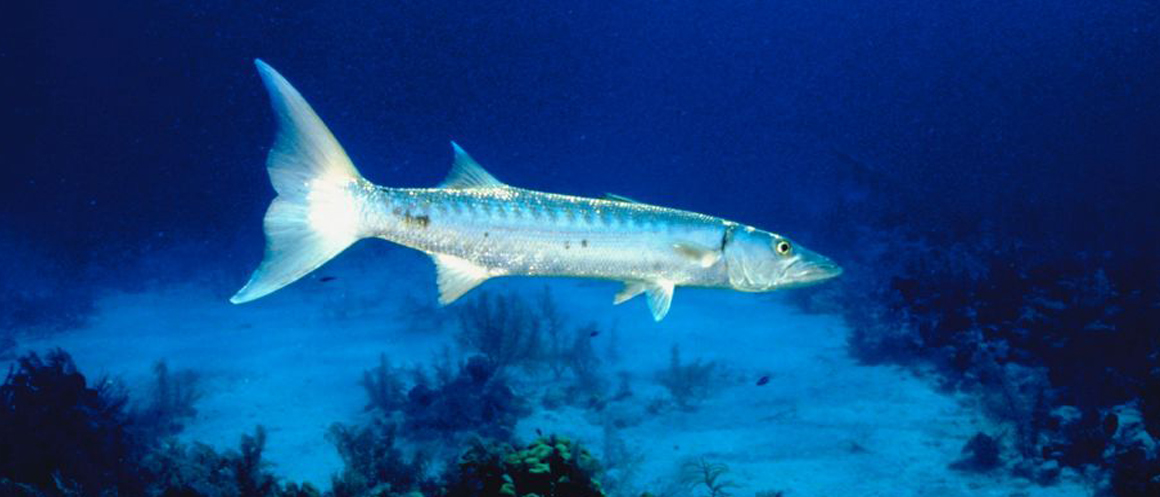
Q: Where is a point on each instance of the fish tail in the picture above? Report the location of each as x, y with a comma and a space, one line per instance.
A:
319, 210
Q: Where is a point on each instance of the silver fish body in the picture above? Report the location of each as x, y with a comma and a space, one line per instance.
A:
512, 231
476, 227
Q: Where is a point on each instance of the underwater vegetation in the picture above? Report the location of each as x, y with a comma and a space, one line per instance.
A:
688, 383
62, 433
1060, 348
64, 436
447, 429
475, 398
706, 478
548, 467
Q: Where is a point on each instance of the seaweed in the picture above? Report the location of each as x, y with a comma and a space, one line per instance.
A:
63, 436
383, 386
514, 332
471, 397
59, 432
478, 400
177, 469
373, 462
172, 400
505, 329
687, 383
700, 474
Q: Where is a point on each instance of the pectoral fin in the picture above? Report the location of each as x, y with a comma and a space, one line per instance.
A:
457, 276
700, 254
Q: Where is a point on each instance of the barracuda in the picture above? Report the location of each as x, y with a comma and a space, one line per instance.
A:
476, 228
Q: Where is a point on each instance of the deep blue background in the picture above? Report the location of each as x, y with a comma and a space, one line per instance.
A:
134, 126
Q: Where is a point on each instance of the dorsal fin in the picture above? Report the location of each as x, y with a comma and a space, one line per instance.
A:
466, 173
620, 198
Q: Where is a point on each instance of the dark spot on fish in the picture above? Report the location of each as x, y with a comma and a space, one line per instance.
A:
763, 380
584, 243
420, 221
327, 279
594, 333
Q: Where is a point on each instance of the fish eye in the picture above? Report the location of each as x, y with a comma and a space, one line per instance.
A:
783, 247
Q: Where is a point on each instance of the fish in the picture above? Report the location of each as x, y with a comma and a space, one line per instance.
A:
475, 227
764, 380
327, 279
593, 333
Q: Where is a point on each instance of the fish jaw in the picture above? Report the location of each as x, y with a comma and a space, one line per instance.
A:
811, 268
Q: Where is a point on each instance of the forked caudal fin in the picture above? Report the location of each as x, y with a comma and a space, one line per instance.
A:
317, 212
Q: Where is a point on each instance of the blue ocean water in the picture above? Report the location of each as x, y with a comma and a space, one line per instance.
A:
987, 174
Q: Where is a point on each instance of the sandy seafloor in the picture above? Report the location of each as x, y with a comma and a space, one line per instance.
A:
823, 425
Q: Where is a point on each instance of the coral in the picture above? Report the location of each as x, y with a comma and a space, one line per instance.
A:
1027, 331
472, 397
177, 469
687, 383
373, 463
64, 437
506, 329
707, 477
60, 432
549, 467
478, 399
171, 402
980, 454
383, 386
516, 333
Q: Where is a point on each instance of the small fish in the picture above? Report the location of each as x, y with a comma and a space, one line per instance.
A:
539, 433
763, 380
327, 279
475, 227
593, 333
1111, 424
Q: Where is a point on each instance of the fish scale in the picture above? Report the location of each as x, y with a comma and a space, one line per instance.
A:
580, 239
475, 228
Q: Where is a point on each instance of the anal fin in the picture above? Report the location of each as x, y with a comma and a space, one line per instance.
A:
659, 292
457, 276
630, 290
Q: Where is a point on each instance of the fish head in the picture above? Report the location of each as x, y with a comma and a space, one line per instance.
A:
760, 261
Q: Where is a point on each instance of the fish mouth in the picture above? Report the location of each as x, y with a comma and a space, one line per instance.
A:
807, 272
